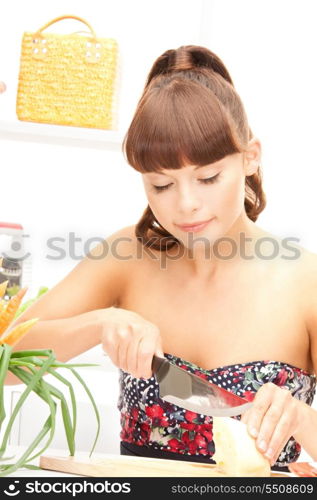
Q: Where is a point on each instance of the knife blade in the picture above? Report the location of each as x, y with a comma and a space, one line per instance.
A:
184, 389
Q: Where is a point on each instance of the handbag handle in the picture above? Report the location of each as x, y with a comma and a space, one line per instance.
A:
67, 17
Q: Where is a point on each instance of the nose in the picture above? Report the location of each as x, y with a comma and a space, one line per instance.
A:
188, 200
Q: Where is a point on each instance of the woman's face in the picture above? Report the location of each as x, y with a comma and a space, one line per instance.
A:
193, 194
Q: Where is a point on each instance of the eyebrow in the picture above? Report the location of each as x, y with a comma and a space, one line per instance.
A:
196, 168
201, 166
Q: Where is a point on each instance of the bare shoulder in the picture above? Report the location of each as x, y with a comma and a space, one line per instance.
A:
307, 289
121, 245
115, 255
95, 282
304, 282
307, 270
118, 257
295, 273
287, 256
289, 265
302, 268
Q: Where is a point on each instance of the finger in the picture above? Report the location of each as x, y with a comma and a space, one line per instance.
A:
282, 431
159, 351
261, 403
245, 417
273, 420
278, 440
125, 337
159, 348
303, 469
275, 457
110, 345
145, 357
132, 356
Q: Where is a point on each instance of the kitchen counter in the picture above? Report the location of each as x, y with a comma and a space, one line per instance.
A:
18, 450
51, 452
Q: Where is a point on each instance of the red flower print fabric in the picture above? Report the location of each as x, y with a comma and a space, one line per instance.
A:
147, 420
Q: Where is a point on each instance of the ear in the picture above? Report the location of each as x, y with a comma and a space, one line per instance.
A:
252, 157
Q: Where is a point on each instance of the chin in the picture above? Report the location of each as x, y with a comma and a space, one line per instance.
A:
199, 241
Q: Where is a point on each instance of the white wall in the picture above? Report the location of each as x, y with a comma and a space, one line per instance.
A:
269, 48
53, 190
103, 386
90, 192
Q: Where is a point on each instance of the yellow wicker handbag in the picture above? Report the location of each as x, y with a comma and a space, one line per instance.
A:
68, 79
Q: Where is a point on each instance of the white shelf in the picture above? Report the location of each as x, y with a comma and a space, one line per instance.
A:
62, 135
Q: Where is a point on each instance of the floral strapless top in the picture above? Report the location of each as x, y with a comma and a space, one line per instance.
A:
147, 420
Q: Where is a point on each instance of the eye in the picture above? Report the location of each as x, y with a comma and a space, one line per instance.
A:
161, 188
210, 180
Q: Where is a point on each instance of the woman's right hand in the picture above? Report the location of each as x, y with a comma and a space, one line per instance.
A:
130, 340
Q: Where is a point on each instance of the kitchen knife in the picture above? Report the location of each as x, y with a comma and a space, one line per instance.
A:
179, 387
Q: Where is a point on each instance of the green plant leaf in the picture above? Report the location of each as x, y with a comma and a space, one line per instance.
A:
30, 366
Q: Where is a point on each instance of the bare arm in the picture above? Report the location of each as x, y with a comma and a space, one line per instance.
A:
67, 312
83, 310
67, 337
307, 435
276, 414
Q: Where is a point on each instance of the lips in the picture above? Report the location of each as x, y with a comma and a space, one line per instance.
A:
195, 225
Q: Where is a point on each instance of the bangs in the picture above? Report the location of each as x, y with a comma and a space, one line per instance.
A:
181, 123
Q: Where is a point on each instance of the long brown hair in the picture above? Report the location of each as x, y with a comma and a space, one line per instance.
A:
189, 113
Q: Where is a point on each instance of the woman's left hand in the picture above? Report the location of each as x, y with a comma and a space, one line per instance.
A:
274, 417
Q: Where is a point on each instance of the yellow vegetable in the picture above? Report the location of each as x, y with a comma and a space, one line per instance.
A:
236, 453
13, 336
7, 316
30, 366
3, 287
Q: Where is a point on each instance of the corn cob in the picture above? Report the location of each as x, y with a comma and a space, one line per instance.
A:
13, 305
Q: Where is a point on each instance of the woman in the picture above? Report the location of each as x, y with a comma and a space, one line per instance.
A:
212, 298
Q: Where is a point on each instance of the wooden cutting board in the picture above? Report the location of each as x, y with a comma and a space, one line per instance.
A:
107, 465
